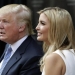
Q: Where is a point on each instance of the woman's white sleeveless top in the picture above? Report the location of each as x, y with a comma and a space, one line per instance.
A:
68, 57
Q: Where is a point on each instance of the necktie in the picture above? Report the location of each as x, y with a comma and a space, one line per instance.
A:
6, 59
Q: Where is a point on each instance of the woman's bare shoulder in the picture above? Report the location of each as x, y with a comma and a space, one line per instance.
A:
54, 64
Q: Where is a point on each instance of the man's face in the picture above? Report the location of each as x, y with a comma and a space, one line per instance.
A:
9, 30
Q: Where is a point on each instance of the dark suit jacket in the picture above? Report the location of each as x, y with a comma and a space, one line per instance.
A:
25, 60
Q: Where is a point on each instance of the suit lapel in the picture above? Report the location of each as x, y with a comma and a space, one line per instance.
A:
17, 55
11, 62
4, 52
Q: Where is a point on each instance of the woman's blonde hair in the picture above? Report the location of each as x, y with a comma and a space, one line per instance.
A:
22, 13
61, 33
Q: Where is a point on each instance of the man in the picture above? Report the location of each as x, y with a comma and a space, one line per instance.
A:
16, 30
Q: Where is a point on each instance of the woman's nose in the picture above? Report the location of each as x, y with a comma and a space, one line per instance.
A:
37, 27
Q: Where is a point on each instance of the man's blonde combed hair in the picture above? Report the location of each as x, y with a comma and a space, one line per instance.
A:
22, 13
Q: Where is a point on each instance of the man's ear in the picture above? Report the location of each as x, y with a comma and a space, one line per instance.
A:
22, 28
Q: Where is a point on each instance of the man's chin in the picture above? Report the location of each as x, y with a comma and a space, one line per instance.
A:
2, 39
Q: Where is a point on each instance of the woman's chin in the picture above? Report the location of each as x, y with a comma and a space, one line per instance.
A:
39, 39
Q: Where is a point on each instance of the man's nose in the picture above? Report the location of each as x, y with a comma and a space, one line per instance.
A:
1, 25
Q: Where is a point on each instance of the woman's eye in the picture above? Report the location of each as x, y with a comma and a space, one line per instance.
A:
42, 23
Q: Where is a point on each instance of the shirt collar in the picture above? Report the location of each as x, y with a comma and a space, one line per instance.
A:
18, 43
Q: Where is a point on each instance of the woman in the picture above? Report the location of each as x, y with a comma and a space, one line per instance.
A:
56, 30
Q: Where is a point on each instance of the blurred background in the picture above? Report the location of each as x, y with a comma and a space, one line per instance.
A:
36, 5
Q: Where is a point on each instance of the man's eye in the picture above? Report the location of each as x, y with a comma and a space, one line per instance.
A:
5, 21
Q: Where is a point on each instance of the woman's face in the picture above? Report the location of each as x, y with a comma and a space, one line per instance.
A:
43, 28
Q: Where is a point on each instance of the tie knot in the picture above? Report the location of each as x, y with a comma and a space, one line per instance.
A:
9, 50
